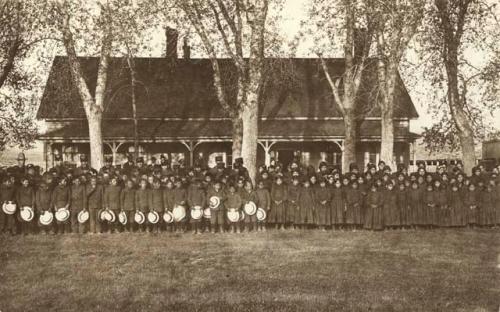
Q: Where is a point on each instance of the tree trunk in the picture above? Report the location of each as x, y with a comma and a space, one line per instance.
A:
387, 141
237, 136
133, 83
249, 117
351, 135
463, 125
94, 119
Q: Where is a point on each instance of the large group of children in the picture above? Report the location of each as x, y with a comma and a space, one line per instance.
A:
155, 197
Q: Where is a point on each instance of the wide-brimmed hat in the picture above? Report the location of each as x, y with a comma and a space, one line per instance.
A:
153, 217
83, 216
46, 218
261, 214
250, 208
9, 208
62, 214
122, 217
139, 217
214, 202
168, 217
233, 215
196, 212
107, 215
179, 213
207, 214
27, 214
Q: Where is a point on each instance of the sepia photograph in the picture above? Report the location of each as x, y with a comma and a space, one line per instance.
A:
250, 155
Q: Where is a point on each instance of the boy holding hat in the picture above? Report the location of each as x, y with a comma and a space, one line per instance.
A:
78, 204
142, 201
127, 203
156, 203
25, 196
217, 216
264, 202
94, 193
112, 201
7, 195
42, 204
180, 199
196, 198
61, 197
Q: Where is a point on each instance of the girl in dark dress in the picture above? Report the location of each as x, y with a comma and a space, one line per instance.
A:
457, 212
374, 209
338, 206
278, 204
392, 214
471, 206
306, 206
404, 208
429, 201
354, 200
487, 209
293, 214
323, 197
442, 217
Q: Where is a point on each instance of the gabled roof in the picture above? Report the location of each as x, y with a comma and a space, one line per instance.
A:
184, 89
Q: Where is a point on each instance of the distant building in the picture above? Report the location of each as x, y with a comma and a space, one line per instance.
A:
179, 114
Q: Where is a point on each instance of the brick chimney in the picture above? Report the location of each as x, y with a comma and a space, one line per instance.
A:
172, 35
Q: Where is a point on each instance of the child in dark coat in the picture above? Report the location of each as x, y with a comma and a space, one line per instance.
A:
292, 212
392, 214
264, 202
155, 200
323, 208
25, 196
42, 203
7, 196
142, 202
457, 212
429, 201
354, 200
487, 209
374, 209
217, 214
279, 197
61, 198
95, 194
127, 204
471, 205
338, 205
404, 207
249, 195
78, 203
306, 206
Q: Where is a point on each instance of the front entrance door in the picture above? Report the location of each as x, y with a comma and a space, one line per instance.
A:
285, 157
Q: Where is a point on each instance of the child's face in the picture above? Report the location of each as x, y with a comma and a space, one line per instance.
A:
414, 186
390, 187
261, 185
279, 181
143, 184
156, 185
114, 182
217, 186
232, 189
26, 183
295, 182
338, 184
130, 184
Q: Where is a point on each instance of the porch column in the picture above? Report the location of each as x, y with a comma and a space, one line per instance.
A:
266, 145
190, 145
114, 149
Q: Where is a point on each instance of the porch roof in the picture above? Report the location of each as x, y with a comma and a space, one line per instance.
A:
220, 130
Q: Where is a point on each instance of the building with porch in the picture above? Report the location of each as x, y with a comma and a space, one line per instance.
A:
178, 113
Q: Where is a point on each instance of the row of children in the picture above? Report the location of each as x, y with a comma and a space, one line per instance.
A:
352, 201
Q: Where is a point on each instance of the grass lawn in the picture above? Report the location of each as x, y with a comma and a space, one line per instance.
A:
442, 270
